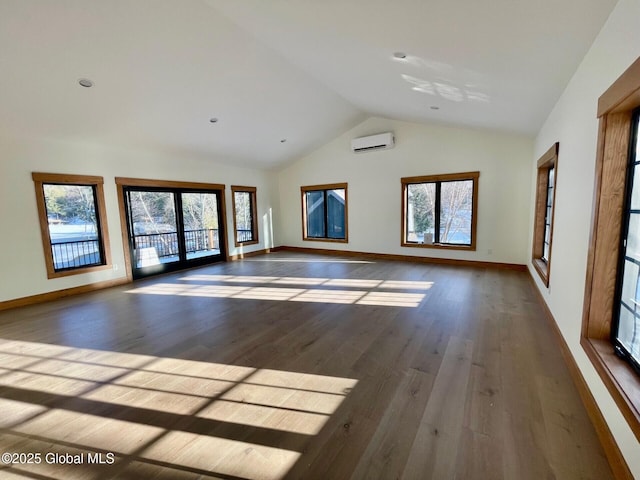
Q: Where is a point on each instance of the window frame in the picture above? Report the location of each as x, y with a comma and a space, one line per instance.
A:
253, 203
145, 183
615, 107
97, 183
325, 188
449, 177
632, 167
545, 163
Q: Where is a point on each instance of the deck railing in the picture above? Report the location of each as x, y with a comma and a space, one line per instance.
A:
244, 235
87, 252
75, 254
166, 244
198, 240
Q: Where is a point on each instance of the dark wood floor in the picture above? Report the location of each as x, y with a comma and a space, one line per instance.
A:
294, 366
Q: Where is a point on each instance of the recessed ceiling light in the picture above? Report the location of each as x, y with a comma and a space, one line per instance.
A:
434, 107
283, 140
213, 120
400, 55
85, 82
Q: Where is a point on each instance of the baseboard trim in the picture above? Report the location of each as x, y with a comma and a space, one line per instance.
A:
67, 292
56, 294
405, 258
616, 460
255, 253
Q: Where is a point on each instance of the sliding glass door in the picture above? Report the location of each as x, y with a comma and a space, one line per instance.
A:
171, 228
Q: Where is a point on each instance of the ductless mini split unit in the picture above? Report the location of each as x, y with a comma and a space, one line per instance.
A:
373, 142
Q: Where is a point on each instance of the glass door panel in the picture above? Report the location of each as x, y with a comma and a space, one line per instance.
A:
153, 228
173, 228
201, 226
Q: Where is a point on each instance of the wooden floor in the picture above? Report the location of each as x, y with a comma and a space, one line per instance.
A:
294, 366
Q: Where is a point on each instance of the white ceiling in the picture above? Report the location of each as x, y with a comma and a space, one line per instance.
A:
304, 70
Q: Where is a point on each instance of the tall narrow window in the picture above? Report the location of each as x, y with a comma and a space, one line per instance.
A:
626, 328
439, 211
614, 242
324, 212
543, 226
72, 223
548, 214
245, 222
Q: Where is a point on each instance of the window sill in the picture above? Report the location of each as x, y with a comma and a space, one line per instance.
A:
77, 271
620, 379
244, 244
543, 270
441, 246
330, 240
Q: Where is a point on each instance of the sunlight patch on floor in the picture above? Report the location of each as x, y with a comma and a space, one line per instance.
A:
323, 290
302, 260
186, 416
331, 282
275, 418
222, 456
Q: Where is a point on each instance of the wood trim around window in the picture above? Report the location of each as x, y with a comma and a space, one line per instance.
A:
39, 179
615, 112
252, 191
405, 181
145, 182
548, 161
328, 186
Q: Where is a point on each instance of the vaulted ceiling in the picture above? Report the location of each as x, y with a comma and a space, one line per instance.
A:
302, 71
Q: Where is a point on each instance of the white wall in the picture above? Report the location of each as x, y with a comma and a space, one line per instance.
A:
23, 270
573, 123
374, 187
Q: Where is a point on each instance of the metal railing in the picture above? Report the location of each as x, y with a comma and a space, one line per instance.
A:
198, 240
166, 244
244, 235
87, 252
76, 254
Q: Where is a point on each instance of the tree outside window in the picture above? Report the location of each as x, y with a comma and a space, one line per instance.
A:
245, 222
72, 223
439, 211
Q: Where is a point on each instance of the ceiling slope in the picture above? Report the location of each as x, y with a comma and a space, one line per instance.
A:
161, 70
302, 71
499, 64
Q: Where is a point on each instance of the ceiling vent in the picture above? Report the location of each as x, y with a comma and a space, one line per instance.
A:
373, 142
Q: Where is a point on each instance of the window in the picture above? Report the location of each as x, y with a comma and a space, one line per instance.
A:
543, 226
245, 223
439, 211
609, 248
72, 223
625, 331
324, 212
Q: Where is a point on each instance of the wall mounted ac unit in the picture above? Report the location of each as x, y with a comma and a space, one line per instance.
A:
373, 142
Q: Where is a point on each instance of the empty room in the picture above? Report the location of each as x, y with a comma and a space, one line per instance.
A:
268, 240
